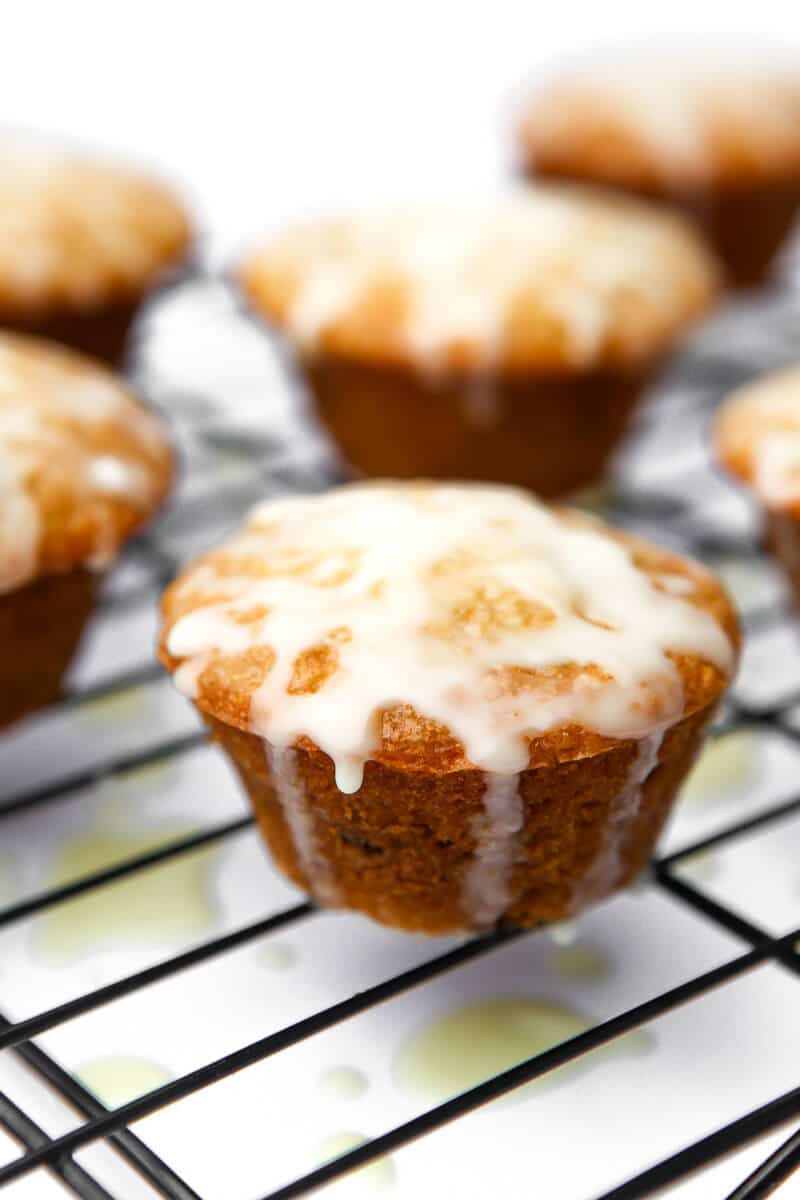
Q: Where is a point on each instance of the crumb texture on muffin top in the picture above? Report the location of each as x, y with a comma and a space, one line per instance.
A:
77, 234
82, 462
443, 627
667, 121
757, 437
549, 278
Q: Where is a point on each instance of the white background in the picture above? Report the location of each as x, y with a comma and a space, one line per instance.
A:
264, 110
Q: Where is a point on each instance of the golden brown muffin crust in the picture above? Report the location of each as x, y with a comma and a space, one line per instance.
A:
77, 234
400, 849
757, 439
410, 741
552, 279
84, 463
666, 124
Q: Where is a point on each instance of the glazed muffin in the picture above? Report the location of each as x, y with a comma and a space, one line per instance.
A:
507, 343
719, 141
757, 439
82, 466
81, 245
450, 705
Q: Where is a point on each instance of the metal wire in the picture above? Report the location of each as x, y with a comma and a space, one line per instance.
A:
672, 508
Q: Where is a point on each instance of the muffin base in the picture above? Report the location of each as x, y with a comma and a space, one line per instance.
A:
783, 539
747, 224
399, 849
551, 433
40, 627
101, 333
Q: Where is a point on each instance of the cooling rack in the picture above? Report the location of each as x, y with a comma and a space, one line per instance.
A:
105, 751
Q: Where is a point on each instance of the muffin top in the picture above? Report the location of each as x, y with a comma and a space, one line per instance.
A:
441, 627
667, 122
757, 436
82, 462
552, 278
77, 234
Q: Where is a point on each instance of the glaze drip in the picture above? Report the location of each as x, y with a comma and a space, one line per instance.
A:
282, 766
487, 880
474, 608
608, 867
537, 276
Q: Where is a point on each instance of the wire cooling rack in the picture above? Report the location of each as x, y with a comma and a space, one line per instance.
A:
720, 902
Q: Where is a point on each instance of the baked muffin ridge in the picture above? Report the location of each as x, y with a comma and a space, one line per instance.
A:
467, 619
556, 278
82, 462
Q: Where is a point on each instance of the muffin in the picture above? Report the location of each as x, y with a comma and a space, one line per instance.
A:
719, 141
81, 244
82, 466
757, 439
507, 343
450, 705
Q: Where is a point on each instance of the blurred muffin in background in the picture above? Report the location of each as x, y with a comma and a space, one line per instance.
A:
82, 466
82, 242
719, 140
450, 705
507, 342
757, 439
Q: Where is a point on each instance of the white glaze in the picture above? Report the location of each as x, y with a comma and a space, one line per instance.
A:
608, 866
19, 526
675, 108
487, 879
759, 429
461, 273
282, 765
77, 229
777, 468
116, 477
50, 411
438, 588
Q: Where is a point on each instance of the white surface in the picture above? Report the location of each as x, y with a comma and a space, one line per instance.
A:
268, 109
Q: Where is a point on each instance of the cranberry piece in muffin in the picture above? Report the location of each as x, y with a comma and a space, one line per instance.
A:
450, 705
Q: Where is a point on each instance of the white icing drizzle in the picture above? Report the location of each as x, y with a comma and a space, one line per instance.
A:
19, 526
607, 868
777, 468
760, 427
676, 109
460, 274
76, 229
437, 596
116, 477
282, 766
677, 585
52, 405
487, 880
